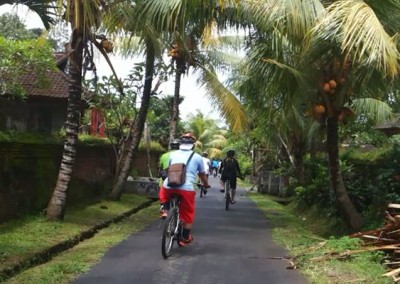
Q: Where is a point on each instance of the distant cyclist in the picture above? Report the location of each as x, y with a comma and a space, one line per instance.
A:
207, 166
230, 170
186, 191
214, 164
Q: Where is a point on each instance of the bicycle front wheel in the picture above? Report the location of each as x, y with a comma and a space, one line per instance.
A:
168, 235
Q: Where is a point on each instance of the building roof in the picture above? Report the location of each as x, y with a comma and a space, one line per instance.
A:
57, 87
393, 123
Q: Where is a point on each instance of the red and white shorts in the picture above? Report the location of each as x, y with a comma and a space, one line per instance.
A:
186, 206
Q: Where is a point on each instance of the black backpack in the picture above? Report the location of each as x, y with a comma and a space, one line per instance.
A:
229, 165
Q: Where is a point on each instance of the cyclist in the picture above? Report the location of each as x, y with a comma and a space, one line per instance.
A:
186, 191
214, 165
207, 166
230, 170
163, 166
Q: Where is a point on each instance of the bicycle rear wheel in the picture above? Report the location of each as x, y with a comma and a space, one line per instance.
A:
227, 195
168, 235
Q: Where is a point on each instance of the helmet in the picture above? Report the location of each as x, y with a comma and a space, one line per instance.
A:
188, 138
230, 153
174, 144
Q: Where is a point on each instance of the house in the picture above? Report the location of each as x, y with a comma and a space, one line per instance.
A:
44, 109
390, 127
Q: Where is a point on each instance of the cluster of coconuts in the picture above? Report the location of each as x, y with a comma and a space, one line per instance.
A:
174, 52
319, 111
107, 45
330, 87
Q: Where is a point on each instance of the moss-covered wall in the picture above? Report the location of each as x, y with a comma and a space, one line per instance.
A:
28, 175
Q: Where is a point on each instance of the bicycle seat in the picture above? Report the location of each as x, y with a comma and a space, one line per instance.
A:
175, 196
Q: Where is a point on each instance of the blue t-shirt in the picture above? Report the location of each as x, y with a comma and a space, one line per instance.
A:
195, 166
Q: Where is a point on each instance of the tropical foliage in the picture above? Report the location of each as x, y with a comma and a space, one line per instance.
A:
17, 56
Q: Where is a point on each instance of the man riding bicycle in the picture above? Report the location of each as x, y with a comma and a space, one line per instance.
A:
230, 170
163, 166
185, 191
207, 164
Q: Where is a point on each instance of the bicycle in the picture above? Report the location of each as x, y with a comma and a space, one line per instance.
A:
173, 227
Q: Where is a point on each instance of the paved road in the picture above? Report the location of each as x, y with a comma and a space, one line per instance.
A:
232, 247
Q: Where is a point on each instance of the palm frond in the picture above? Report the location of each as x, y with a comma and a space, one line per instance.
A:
230, 107
292, 18
361, 35
374, 109
45, 9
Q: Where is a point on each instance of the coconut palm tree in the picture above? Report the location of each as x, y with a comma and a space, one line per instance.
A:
124, 16
139, 123
83, 16
210, 138
190, 23
309, 44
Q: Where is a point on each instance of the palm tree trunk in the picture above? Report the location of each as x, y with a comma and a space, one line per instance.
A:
298, 155
138, 127
175, 105
56, 206
346, 207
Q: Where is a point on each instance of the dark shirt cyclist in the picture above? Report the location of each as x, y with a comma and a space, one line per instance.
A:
230, 170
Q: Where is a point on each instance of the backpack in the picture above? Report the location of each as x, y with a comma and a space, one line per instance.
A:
177, 173
229, 166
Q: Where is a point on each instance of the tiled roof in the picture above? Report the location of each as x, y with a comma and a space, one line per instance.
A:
393, 123
57, 88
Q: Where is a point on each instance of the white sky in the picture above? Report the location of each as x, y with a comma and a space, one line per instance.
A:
195, 98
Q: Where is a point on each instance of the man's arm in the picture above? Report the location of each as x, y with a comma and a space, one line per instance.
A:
221, 167
204, 179
238, 169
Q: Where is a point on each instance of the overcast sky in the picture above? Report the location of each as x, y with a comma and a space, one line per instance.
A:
194, 96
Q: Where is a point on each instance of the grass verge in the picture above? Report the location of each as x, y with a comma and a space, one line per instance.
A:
302, 238
24, 238
68, 265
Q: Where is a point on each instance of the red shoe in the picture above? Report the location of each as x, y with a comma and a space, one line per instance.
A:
184, 242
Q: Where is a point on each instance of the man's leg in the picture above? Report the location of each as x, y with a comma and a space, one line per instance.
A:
187, 213
164, 201
233, 187
222, 182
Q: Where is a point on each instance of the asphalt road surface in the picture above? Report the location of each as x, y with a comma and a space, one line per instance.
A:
232, 247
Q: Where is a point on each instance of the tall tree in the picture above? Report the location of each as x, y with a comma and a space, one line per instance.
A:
318, 45
45, 9
11, 27
190, 24
83, 16
125, 15
139, 123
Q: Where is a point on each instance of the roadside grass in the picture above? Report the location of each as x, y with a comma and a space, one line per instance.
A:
307, 237
70, 264
21, 239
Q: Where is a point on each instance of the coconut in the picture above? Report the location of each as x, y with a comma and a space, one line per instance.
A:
319, 109
332, 84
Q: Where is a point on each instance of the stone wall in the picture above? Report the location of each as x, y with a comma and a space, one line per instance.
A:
271, 184
28, 175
